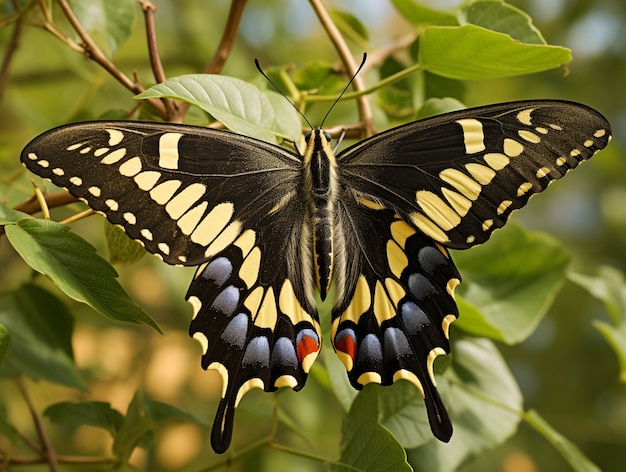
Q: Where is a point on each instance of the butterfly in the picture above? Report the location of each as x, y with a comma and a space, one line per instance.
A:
370, 226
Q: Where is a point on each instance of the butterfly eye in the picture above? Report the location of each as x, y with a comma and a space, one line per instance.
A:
327, 136
308, 136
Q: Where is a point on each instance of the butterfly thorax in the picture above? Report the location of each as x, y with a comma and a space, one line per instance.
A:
320, 182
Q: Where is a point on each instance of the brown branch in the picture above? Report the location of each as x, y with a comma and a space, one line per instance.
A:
53, 200
93, 52
47, 450
14, 43
365, 111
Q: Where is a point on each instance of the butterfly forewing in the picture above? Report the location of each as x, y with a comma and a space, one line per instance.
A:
457, 177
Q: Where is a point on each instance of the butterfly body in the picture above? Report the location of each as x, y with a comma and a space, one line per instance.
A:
269, 227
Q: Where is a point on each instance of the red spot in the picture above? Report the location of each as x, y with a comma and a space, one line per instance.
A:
347, 344
307, 345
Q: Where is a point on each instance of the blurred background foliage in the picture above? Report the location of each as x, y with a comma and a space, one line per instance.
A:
565, 369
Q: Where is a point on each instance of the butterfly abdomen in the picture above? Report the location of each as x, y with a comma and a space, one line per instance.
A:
320, 182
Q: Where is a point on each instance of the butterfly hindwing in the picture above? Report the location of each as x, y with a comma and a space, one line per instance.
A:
457, 177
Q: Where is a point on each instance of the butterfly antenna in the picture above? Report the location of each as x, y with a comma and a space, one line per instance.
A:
345, 88
258, 66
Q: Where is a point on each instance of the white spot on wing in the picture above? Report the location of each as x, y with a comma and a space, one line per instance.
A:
115, 136
473, 135
168, 150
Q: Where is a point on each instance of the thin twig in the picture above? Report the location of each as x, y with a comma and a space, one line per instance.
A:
149, 10
53, 200
47, 451
365, 111
93, 52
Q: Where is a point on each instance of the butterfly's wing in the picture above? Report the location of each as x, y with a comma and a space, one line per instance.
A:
196, 196
457, 177
408, 192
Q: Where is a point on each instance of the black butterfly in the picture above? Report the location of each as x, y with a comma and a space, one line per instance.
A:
269, 228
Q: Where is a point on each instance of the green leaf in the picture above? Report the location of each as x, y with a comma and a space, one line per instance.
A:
286, 119
438, 106
420, 15
240, 106
339, 381
498, 16
122, 249
108, 22
396, 99
96, 414
574, 457
133, 429
162, 413
484, 403
5, 339
365, 444
74, 266
471, 53
41, 330
610, 288
8, 216
512, 281
350, 26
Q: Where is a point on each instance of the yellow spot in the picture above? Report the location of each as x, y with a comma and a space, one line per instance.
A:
220, 369
473, 135
466, 186
482, 174
487, 224
383, 308
437, 210
470, 239
430, 360
168, 150
184, 200
164, 248
73, 147
541, 130
147, 234
43, 163
163, 192
429, 228
451, 286
289, 304
202, 339
188, 222
147, 180
112, 204
85, 150
560, 161
522, 189
246, 241
575, 153
267, 316
373, 205
32, 156
460, 204
131, 167
496, 160
395, 292
600, 133
345, 359
529, 136
213, 223
249, 270
369, 377
286, 381
95, 191
400, 231
512, 148
396, 258
445, 324
196, 304
226, 238
588, 143
130, 218
403, 374
309, 360
360, 303
503, 206
246, 387
115, 136
76, 181
114, 157
524, 116
254, 299
100, 152
542, 172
